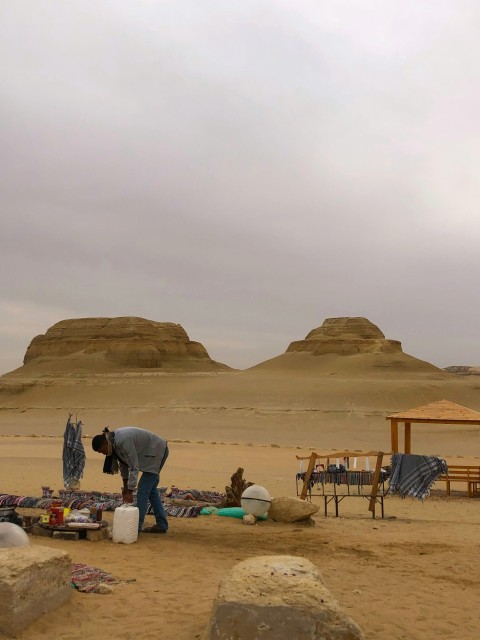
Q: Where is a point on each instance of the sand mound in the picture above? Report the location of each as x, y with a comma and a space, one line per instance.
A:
345, 336
350, 346
120, 343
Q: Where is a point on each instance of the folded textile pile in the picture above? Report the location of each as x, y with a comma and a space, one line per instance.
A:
212, 497
413, 475
109, 502
352, 478
103, 502
182, 512
88, 579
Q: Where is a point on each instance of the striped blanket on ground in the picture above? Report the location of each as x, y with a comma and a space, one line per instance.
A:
213, 497
413, 475
107, 502
180, 511
103, 502
87, 579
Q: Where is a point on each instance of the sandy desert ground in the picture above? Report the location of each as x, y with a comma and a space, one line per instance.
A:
413, 575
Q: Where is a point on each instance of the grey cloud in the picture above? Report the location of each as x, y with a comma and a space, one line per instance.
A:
244, 168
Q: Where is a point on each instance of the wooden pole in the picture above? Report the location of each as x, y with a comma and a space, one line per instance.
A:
394, 434
408, 437
376, 479
308, 475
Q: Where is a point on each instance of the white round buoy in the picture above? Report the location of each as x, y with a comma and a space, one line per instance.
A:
256, 500
11, 535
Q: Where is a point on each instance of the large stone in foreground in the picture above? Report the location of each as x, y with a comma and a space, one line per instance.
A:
278, 598
33, 581
291, 509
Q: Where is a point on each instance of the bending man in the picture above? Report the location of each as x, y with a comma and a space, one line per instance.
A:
131, 450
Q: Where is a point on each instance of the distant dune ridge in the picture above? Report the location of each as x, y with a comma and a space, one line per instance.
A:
463, 370
125, 342
102, 345
332, 389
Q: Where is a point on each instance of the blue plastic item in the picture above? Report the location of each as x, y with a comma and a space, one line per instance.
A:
235, 512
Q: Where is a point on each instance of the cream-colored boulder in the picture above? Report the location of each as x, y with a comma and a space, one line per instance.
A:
278, 598
33, 581
291, 509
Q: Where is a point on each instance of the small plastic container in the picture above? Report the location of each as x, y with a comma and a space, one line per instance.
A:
125, 524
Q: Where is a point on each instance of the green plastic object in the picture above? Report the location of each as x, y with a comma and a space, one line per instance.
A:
235, 512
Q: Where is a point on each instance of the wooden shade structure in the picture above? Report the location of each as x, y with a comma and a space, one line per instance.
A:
441, 412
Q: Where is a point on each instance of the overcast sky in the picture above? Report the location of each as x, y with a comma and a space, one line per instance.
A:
243, 168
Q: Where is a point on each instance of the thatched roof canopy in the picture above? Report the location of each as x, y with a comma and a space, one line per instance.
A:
440, 412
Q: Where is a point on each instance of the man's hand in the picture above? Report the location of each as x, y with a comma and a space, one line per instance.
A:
127, 495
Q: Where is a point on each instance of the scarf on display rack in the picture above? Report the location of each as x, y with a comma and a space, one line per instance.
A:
73, 454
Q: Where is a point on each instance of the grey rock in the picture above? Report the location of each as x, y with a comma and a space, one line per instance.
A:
278, 598
34, 580
291, 509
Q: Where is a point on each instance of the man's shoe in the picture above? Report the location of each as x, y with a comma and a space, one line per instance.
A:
154, 529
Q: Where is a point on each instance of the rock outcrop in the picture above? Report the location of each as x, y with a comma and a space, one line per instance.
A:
126, 342
345, 336
349, 348
463, 370
291, 510
34, 580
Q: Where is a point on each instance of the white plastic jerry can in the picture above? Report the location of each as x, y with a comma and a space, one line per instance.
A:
125, 524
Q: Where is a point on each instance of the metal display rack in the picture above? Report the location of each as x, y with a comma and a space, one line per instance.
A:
335, 483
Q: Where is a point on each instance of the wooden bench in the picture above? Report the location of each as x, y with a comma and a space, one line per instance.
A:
463, 473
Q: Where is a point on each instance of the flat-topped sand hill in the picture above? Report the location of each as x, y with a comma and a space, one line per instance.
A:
95, 345
332, 389
349, 346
